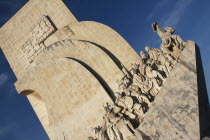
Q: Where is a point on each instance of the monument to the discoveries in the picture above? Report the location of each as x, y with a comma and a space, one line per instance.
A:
84, 81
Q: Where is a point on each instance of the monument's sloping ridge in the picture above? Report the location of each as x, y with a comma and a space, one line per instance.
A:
175, 112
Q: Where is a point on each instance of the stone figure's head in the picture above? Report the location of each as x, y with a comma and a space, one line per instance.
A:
147, 48
107, 108
122, 87
133, 72
143, 54
148, 68
170, 30
117, 94
149, 61
135, 66
96, 130
126, 80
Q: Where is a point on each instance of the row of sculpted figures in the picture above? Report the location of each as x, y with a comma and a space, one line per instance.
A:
139, 86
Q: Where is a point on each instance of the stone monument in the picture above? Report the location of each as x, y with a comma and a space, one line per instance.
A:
84, 81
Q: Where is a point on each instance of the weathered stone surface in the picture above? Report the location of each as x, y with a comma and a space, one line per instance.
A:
72, 96
175, 112
68, 70
101, 35
17, 30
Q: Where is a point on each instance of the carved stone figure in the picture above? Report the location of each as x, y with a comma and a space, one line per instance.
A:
166, 45
135, 91
153, 73
163, 58
155, 86
153, 53
171, 44
143, 56
142, 82
126, 102
124, 121
124, 89
110, 121
99, 134
131, 109
149, 86
161, 32
143, 99
170, 58
138, 78
142, 66
160, 59
123, 83
126, 81
162, 67
135, 67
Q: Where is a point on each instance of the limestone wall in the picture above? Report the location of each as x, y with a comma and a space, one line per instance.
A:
67, 82
101, 35
69, 69
89, 54
40, 109
17, 30
72, 95
175, 112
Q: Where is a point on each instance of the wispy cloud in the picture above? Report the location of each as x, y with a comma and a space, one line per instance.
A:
156, 8
5, 129
169, 16
4, 77
175, 15
168, 13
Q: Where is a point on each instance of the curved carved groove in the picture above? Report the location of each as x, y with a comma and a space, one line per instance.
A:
98, 77
110, 54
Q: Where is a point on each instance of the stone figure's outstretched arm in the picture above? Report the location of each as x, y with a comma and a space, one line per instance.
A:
157, 29
161, 32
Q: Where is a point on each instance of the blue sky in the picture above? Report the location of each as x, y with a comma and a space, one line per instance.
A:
130, 18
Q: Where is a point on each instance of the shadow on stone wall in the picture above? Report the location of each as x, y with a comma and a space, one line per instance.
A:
204, 110
98, 77
110, 54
